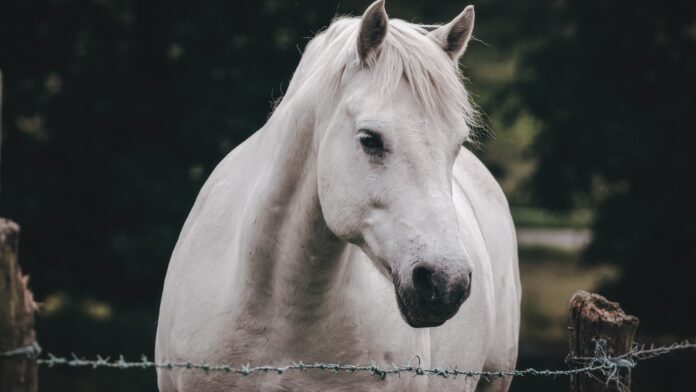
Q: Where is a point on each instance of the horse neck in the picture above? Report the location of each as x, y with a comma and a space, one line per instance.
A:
293, 259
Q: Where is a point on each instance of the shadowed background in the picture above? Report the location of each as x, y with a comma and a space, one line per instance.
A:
115, 113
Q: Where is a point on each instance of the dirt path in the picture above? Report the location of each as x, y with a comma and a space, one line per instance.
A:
568, 239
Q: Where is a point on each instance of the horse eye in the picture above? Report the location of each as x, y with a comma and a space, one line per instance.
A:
371, 141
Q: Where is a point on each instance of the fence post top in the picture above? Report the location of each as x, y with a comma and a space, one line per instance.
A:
8, 226
594, 307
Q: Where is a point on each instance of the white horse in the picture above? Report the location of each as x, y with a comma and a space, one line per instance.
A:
352, 227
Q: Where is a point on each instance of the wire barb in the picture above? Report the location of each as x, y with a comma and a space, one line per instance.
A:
31, 351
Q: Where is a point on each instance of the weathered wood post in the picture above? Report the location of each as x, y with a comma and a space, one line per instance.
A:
0, 123
593, 318
18, 373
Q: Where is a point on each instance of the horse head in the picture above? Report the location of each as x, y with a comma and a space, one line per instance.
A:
390, 133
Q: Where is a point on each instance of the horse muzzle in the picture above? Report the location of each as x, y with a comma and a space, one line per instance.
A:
433, 295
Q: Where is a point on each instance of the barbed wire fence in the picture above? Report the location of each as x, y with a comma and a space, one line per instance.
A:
602, 363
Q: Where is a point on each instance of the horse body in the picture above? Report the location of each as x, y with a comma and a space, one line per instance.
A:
263, 275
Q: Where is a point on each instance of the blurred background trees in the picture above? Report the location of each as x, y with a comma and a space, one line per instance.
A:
115, 112
612, 85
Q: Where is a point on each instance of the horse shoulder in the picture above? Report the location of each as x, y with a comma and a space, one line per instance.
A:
196, 277
492, 211
486, 198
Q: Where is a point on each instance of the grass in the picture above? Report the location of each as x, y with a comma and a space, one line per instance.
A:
549, 277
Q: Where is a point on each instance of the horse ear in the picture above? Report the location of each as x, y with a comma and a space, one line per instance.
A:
373, 29
455, 35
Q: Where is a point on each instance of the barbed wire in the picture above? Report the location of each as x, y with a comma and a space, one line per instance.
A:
601, 362
32, 351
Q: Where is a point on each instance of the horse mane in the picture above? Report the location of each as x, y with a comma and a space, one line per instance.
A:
407, 52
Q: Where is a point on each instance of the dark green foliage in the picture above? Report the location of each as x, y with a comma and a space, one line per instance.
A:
613, 84
115, 114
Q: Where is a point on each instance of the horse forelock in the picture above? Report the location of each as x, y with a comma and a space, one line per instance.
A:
407, 52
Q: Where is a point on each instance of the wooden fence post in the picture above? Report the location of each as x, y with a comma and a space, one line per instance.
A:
593, 317
0, 127
17, 373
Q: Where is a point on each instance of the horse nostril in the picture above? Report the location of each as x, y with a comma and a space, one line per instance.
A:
422, 278
428, 281
467, 287
460, 289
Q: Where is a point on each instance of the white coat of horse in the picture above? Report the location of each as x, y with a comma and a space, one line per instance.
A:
352, 227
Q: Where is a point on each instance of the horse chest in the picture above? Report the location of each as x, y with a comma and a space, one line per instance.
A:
358, 323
